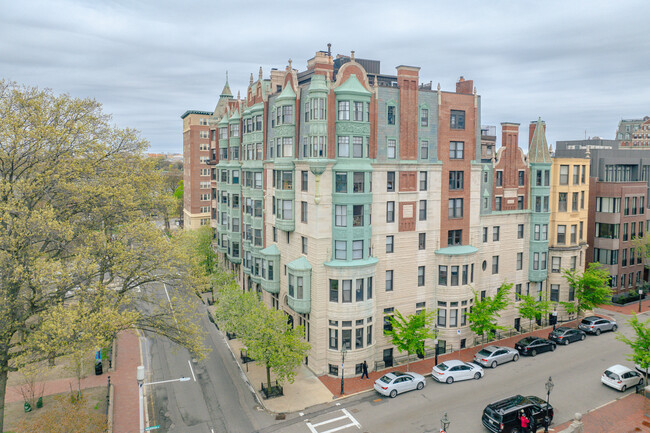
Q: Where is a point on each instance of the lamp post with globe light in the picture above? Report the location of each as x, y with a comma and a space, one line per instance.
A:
444, 423
549, 388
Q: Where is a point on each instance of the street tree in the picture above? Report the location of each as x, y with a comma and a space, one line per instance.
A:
484, 314
76, 193
409, 333
532, 308
235, 310
591, 288
639, 343
275, 344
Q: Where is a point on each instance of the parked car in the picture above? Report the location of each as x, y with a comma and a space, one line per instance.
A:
564, 335
596, 325
502, 416
621, 377
491, 356
453, 370
397, 382
534, 345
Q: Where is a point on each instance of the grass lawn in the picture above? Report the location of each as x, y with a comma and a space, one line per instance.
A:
64, 367
14, 412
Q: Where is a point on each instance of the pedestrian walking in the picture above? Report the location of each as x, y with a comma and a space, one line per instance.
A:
524, 422
364, 370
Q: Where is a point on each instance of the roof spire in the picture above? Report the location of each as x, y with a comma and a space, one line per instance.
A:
538, 151
260, 75
226, 93
251, 80
290, 65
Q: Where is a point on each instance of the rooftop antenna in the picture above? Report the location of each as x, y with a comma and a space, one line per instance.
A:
329, 50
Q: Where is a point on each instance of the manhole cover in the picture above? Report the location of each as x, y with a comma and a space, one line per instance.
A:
355, 410
280, 416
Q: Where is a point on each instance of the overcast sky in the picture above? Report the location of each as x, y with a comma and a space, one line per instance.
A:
579, 65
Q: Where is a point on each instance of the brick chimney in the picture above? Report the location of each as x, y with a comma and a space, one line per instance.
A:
464, 86
408, 78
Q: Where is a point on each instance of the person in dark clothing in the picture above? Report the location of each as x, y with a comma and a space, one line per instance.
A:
524, 422
364, 370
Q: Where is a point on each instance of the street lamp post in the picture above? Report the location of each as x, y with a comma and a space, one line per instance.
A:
444, 423
343, 351
640, 295
549, 388
140, 377
435, 345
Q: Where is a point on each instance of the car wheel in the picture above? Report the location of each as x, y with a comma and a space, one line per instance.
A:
583, 336
393, 393
614, 328
598, 331
493, 365
477, 376
623, 388
514, 430
450, 379
533, 352
566, 342
553, 346
420, 385
515, 358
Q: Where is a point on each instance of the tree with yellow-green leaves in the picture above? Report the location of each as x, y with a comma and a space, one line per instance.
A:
76, 244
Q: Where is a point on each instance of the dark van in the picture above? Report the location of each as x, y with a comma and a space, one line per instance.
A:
502, 416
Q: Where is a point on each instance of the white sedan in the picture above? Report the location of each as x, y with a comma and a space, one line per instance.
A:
397, 382
450, 371
621, 377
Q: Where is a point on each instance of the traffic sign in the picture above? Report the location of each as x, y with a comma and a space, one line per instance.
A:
153, 427
458, 331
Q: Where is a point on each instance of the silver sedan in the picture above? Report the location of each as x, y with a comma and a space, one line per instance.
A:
453, 370
397, 382
491, 356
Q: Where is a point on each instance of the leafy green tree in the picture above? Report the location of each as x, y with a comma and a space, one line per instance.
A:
76, 194
591, 288
530, 308
235, 310
275, 344
640, 343
408, 333
484, 314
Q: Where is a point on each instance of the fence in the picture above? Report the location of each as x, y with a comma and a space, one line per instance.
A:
274, 391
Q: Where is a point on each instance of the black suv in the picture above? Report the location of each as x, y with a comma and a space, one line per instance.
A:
503, 415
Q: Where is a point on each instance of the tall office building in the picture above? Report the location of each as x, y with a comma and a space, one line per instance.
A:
342, 195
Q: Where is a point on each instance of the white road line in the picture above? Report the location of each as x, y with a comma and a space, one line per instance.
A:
346, 415
170, 303
191, 369
345, 411
330, 420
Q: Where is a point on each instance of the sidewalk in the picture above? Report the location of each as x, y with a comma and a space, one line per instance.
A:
123, 379
628, 309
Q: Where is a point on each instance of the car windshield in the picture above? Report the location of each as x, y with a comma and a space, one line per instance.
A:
442, 366
561, 330
386, 379
485, 352
587, 321
611, 375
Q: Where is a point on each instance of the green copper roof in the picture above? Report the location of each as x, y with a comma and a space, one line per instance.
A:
287, 93
223, 122
226, 93
538, 149
300, 264
460, 250
271, 250
352, 85
318, 84
203, 113
235, 116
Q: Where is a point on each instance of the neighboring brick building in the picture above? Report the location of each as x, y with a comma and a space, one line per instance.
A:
342, 194
196, 172
618, 199
634, 132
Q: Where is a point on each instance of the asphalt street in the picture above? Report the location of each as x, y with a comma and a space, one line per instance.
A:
575, 369
216, 399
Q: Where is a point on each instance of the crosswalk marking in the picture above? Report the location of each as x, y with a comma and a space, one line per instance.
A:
346, 415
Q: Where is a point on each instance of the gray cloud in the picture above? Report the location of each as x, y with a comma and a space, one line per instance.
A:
580, 65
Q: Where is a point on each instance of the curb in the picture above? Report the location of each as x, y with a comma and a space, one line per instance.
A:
111, 403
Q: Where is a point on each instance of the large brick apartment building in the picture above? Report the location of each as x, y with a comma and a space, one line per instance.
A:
342, 194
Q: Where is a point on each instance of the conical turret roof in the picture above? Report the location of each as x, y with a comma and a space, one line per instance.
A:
226, 93
538, 150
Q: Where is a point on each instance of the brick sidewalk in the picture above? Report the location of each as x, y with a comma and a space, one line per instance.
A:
628, 309
126, 408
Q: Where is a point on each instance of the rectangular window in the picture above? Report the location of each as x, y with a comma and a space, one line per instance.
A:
391, 115
520, 202
305, 181
341, 182
369, 288
580, 232
424, 149
344, 146
423, 181
584, 170
359, 290
357, 182
334, 290
520, 261
456, 180
455, 208
522, 177
344, 110
304, 245
457, 119
582, 199
453, 317
341, 252
423, 210
390, 211
347, 291
574, 202
391, 148
303, 211
422, 241
390, 181
485, 234
357, 147
456, 150
454, 237
424, 117
555, 292
574, 234
334, 344
536, 261
442, 318
453, 281
576, 174
389, 244
389, 281
357, 215
561, 234
465, 274
358, 111
498, 202
562, 202
495, 233
346, 339
564, 175
499, 178
341, 216
442, 275
556, 264
369, 335
358, 339
420, 276
495, 265
357, 250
